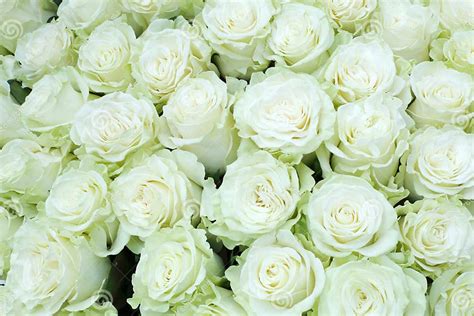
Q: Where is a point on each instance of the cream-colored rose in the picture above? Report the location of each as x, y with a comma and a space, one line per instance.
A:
452, 293
375, 286
300, 36
456, 51
361, 68
437, 233
439, 162
350, 15
237, 31
408, 28
346, 215
167, 53
285, 113
159, 192
49, 271
258, 195
198, 117
371, 136
83, 16
47, 48
50, 108
28, 169
277, 276
443, 96
104, 58
114, 125
173, 264
454, 14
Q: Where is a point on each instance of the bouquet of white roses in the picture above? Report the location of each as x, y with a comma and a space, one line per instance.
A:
237, 157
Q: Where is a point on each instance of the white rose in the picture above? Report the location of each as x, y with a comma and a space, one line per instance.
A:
10, 223
12, 125
167, 53
83, 16
47, 48
371, 136
440, 161
237, 31
443, 95
50, 107
159, 192
350, 15
104, 58
28, 169
374, 286
173, 264
20, 17
277, 276
346, 215
212, 300
300, 36
144, 11
437, 233
114, 125
407, 28
198, 117
456, 51
77, 199
361, 68
78, 205
285, 113
452, 293
49, 271
454, 14
258, 195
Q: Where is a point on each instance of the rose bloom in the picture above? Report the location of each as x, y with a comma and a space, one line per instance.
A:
104, 58
301, 35
407, 28
198, 117
446, 228
49, 270
456, 51
236, 31
114, 125
173, 265
375, 286
451, 293
285, 113
443, 95
371, 136
158, 192
164, 55
44, 50
361, 68
28, 169
276, 276
258, 194
440, 162
82, 16
349, 15
346, 215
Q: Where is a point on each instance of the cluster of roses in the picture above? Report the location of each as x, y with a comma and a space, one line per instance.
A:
259, 157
